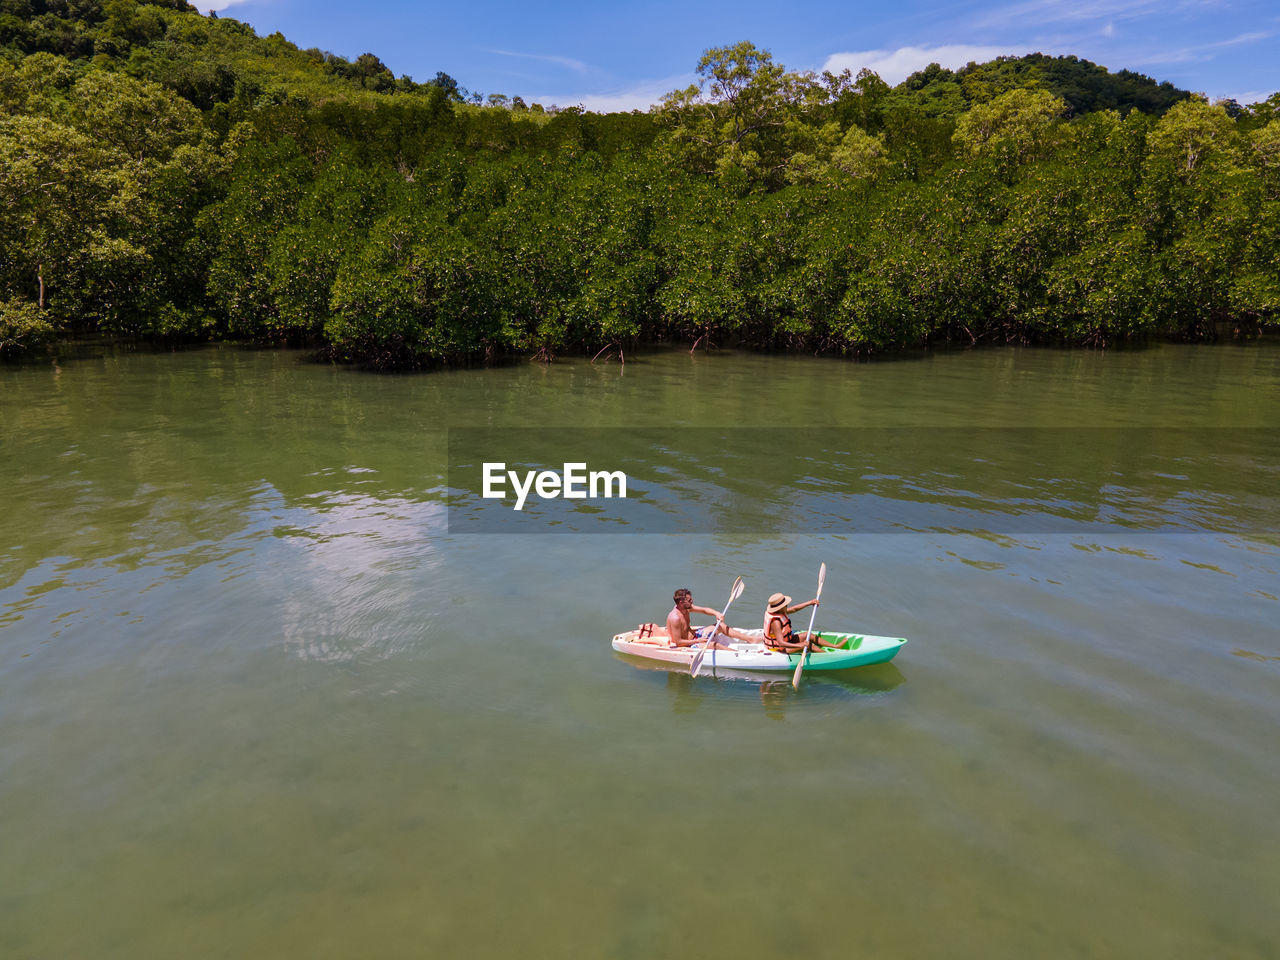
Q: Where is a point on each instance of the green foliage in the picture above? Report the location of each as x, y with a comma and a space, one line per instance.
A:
859, 155
1191, 138
1264, 146
266, 186
1016, 127
175, 176
23, 328
745, 120
104, 175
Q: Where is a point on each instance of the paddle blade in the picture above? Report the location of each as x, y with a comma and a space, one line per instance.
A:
697, 661
795, 677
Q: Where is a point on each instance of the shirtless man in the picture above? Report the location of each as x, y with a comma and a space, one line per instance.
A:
777, 625
683, 635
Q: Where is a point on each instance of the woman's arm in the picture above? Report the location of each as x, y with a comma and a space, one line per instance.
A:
801, 606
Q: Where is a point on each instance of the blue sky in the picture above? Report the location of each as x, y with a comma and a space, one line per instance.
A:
624, 55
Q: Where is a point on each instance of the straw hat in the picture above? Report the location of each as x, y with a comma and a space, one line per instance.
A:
779, 601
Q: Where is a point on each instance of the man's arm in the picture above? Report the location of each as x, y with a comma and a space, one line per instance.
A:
675, 630
707, 611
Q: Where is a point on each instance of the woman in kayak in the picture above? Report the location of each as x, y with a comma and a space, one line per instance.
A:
777, 626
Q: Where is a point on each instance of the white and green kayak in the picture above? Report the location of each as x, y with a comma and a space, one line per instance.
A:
854, 650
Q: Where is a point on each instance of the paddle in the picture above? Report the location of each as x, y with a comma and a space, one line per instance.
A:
808, 637
734, 594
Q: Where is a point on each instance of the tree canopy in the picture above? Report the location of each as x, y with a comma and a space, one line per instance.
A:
174, 176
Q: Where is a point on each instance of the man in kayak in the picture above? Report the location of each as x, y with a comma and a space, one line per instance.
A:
684, 635
777, 626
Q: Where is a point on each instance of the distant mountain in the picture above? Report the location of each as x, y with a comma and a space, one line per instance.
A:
208, 60
1085, 86
212, 60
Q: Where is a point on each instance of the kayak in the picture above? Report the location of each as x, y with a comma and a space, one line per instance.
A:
854, 650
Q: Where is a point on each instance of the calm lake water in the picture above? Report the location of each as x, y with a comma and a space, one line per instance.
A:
265, 691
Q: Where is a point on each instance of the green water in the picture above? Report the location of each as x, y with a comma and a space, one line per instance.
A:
258, 700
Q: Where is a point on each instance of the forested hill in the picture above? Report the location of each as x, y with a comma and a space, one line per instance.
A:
206, 60
170, 175
1084, 86
211, 60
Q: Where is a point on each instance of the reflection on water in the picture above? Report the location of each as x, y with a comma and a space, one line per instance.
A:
718, 687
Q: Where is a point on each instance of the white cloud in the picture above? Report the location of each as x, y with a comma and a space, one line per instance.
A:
576, 65
1244, 98
1246, 38
894, 66
640, 97
207, 5
1054, 11
1200, 52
